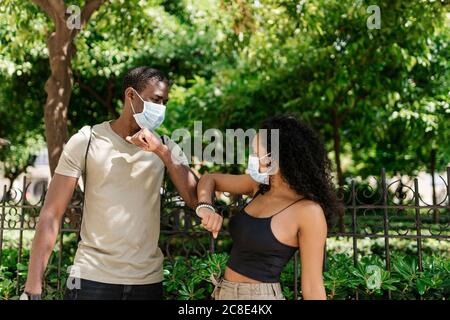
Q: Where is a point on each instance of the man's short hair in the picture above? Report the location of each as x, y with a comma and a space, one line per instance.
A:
139, 77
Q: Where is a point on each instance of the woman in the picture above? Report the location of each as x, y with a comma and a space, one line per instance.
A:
292, 200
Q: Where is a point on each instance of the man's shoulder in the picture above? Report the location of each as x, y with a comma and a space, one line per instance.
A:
81, 138
86, 130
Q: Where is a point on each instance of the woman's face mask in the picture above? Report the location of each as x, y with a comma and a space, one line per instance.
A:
254, 168
152, 115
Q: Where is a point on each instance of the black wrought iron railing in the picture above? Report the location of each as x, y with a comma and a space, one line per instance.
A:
383, 208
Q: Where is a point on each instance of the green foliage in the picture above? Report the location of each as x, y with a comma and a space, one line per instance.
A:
337, 285
433, 282
382, 93
377, 88
190, 278
405, 281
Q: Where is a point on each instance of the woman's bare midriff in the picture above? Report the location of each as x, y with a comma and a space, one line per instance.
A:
231, 275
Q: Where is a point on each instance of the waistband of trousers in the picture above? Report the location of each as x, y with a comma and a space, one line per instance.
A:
253, 288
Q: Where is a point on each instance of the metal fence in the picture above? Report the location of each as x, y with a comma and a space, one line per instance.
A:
381, 209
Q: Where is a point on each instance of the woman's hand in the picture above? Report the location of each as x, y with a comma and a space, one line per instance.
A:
211, 220
209, 183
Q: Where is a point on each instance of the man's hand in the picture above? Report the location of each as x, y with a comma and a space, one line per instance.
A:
145, 140
211, 220
184, 180
56, 201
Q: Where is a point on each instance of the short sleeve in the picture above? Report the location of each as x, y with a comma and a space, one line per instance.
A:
176, 151
71, 162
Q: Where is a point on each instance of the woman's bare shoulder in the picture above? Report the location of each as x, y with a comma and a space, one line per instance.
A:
307, 212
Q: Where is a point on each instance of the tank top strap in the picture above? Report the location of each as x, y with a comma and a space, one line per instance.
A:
253, 198
298, 200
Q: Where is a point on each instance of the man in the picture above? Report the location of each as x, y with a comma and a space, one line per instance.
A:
118, 255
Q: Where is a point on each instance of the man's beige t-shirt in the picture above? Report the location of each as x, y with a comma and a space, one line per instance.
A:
121, 219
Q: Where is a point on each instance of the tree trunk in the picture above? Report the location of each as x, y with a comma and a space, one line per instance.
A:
59, 90
61, 50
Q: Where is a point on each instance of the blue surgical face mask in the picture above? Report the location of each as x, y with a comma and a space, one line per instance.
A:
253, 169
152, 116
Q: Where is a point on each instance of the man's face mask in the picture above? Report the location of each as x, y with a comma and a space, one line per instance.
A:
254, 167
152, 116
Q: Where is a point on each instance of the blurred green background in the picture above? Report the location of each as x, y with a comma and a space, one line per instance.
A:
379, 97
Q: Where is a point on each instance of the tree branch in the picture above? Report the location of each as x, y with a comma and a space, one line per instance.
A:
45, 6
55, 9
89, 8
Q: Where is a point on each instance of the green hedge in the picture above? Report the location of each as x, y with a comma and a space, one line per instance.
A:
191, 279
188, 279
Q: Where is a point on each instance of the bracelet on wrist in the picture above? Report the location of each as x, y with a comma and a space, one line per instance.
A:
204, 205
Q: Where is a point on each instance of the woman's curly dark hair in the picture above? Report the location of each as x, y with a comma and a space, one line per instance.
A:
303, 162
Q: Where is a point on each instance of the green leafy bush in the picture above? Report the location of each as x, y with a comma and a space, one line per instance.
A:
190, 278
